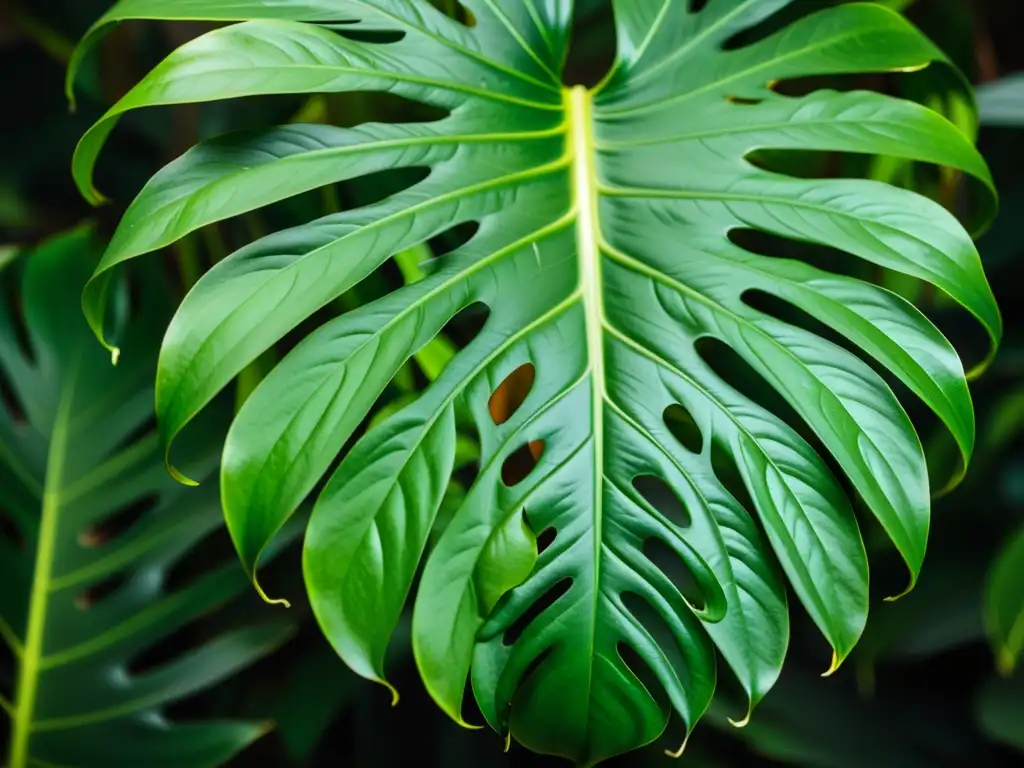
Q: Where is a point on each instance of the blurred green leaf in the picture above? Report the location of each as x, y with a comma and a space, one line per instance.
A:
1000, 710
1002, 102
1004, 606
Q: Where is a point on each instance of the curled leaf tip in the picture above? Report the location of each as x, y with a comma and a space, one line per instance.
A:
269, 600
904, 593
394, 691
740, 723
115, 355
679, 752
508, 741
178, 475
836, 663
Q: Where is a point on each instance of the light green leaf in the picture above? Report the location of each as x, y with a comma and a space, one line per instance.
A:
607, 258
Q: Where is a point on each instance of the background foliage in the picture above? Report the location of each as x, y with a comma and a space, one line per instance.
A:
936, 678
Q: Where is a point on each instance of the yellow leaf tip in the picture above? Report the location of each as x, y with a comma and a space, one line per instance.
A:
836, 663
508, 741
270, 600
115, 355
740, 723
679, 752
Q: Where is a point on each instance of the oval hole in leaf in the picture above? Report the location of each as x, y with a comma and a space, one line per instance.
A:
724, 467
10, 402
518, 466
11, 308
116, 524
696, 6
672, 565
545, 539
371, 36
660, 495
659, 629
10, 531
97, 593
138, 434
214, 551
177, 644
636, 664
681, 424
829, 259
541, 604
511, 393
765, 28
744, 101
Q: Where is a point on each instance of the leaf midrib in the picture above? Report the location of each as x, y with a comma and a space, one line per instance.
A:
28, 673
585, 191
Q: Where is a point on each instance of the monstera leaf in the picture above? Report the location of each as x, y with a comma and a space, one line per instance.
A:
93, 530
634, 511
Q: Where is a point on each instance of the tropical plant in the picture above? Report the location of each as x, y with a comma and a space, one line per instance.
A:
634, 509
94, 533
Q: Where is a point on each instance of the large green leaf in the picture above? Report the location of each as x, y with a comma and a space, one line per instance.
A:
607, 258
84, 596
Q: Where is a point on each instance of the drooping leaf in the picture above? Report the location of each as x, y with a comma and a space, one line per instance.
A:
608, 259
97, 528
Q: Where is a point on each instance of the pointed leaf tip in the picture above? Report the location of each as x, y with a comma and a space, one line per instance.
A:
270, 600
178, 475
740, 723
836, 663
679, 752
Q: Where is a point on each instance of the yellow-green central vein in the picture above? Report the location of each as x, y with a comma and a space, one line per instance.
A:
28, 676
578, 102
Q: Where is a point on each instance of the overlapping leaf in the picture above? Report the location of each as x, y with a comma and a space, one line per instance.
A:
84, 585
607, 261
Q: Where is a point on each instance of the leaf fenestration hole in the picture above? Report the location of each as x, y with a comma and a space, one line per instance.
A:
744, 101
519, 464
724, 467
660, 495
696, 6
100, 591
659, 629
10, 531
541, 604
681, 424
777, 247
143, 430
116, 524
511, 393
10, 401
671, 564
545, 539
639, 667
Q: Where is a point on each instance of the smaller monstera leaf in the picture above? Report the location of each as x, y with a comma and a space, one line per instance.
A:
96, 528
634, 512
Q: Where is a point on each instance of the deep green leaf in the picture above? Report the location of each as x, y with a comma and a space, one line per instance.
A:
607, 258
84, 593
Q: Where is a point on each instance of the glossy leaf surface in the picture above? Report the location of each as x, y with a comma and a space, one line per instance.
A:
96, 529
670, 504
